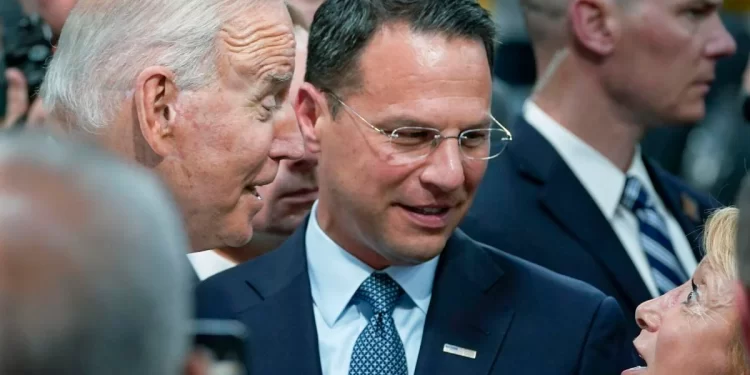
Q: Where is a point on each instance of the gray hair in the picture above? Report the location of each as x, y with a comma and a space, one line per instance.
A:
93, 278
106, 44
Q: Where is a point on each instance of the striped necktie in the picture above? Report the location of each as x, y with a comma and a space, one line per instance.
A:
654, 237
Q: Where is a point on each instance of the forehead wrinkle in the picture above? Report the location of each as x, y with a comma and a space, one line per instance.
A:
267, 49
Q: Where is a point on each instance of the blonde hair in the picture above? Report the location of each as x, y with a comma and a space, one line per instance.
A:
719, 241
720, 244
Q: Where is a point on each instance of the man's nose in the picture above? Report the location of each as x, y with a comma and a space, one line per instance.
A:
287, 142
445, 169
307, 163
722, 43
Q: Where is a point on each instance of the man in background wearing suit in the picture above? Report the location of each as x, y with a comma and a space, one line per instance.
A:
378, 280
573, 192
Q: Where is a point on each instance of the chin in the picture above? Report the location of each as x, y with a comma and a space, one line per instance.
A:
418, 251
687, 116
237, 238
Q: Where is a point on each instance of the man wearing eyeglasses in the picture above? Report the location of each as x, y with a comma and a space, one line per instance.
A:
378, 280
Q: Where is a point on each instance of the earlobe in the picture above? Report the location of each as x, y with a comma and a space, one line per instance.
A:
593, 26
310, 106
155, 97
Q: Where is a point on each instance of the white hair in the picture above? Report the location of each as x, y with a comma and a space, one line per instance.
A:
104, 289
105, 44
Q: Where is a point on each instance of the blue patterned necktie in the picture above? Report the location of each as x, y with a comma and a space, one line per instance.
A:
379, 350
654, 238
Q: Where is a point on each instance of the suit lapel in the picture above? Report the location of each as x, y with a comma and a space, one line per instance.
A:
683, 207
463, 313
284, 335
573, 209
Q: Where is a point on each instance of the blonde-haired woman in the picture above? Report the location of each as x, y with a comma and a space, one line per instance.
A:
694, 329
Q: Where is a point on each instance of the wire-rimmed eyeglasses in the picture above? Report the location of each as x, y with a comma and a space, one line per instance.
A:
413, 143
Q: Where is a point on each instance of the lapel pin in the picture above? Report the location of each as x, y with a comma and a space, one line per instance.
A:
459, 351
690, 207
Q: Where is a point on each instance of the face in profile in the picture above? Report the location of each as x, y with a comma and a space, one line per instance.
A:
690, 330
406, 211
288, 199
230, 138
665, 58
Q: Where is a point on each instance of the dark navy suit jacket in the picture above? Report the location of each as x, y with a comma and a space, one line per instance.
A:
518, 317
531, 204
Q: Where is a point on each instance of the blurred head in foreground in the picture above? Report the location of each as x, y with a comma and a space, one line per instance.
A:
92, 272
694, 329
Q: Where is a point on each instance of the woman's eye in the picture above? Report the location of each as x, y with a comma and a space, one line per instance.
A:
690, 297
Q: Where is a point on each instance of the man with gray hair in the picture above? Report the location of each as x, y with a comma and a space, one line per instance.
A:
189, 88
92, 276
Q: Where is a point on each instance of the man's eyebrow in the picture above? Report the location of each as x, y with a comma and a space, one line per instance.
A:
407, 121
278, 78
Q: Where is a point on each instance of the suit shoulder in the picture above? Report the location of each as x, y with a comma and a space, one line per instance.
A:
230, 292
676, 184
532, 276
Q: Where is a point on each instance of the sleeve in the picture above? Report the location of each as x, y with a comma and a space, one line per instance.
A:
607, 349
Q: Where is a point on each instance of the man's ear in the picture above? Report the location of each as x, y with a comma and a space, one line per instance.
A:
155, 97
594, 25
310, 106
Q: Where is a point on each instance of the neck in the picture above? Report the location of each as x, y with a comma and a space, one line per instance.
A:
602, 124
339, 231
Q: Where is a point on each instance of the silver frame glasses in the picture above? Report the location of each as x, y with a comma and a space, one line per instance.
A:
439, 137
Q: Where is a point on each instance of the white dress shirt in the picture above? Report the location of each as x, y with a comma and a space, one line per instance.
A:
335, 275
208, 263
605, 184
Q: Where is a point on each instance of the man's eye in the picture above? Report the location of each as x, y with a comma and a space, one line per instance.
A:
700, 12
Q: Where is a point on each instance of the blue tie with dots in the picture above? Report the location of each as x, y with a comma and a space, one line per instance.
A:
379, 350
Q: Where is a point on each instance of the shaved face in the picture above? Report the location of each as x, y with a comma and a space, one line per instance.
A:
231, 134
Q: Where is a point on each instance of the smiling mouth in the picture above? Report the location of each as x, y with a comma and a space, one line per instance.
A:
427, 210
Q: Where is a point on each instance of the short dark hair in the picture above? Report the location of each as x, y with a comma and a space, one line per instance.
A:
341, 30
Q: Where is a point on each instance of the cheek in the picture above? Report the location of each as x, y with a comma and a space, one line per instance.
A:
691, 345
474, 173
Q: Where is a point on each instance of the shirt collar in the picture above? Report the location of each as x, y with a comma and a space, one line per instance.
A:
599, 176
335, 274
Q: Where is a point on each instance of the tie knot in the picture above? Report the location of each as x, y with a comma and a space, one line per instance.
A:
635, 197
380, 291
